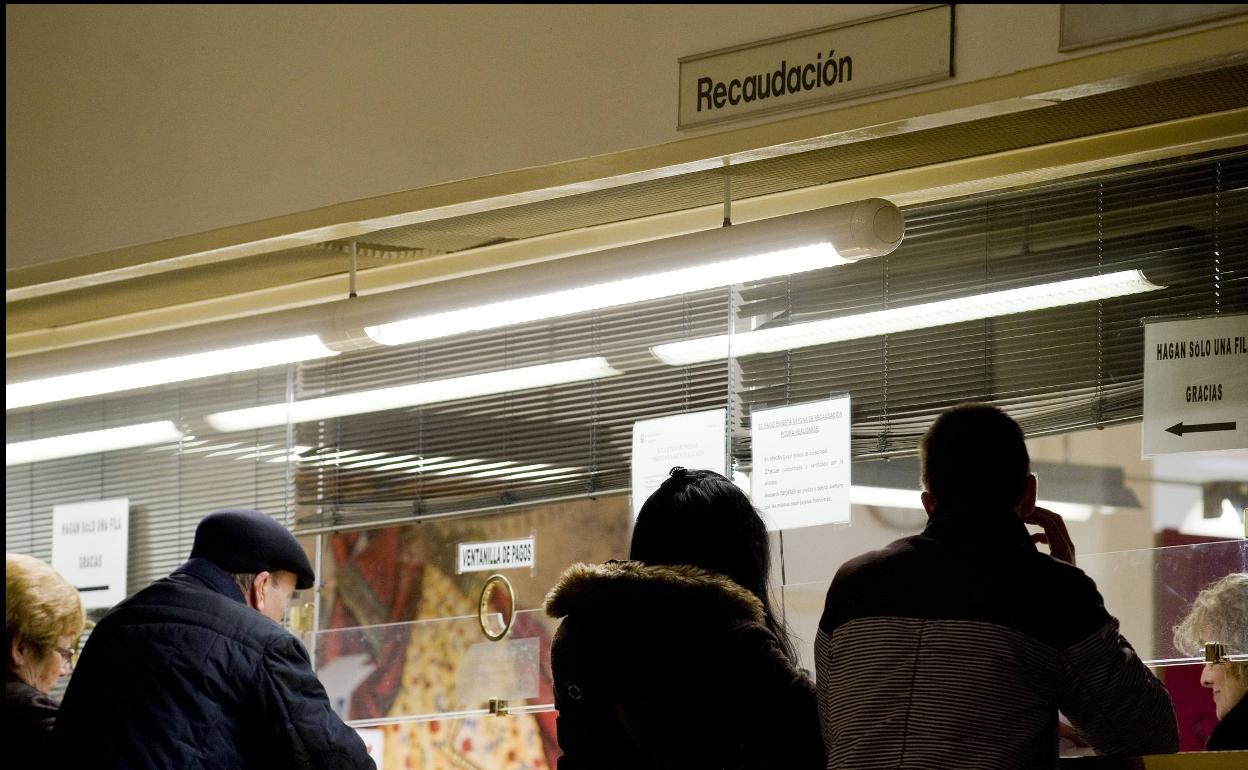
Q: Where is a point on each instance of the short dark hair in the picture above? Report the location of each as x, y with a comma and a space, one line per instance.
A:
974, 455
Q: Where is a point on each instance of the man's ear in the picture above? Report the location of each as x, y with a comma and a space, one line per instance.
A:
929, 502
1028, 503
260, 586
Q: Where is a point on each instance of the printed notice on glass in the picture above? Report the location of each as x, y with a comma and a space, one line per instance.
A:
1195, 385
693, 440
500, 554
801, 463
89, 548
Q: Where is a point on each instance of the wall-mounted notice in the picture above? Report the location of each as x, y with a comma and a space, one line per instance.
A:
868, 56
1195, 385
694, 440
500, 554
89, 548
801, 463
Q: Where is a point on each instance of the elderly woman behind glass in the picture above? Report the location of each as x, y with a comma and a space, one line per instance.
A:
43, 618
1220, 614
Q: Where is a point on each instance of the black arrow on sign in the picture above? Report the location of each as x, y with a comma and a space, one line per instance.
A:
1180, 429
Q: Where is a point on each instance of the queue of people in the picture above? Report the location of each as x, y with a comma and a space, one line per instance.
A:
955, 647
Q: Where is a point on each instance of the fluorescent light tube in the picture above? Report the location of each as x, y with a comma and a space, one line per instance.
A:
885, 497
924, 316
610, 294
164, 371
435, 391
889, 497
640, 272
91, 442
475, 468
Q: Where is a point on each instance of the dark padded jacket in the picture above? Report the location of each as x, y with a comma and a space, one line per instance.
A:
674, 667
956, 648
184, 675
28, 719
1231, 734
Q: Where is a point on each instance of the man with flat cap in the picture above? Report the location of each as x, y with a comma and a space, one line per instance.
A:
195, 671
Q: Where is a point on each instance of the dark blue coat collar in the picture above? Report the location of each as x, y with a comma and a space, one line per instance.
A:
211, 576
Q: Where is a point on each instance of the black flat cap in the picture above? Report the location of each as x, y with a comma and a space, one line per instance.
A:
243, 541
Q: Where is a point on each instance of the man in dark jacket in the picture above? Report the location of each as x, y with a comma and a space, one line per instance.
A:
195, 671
957, 647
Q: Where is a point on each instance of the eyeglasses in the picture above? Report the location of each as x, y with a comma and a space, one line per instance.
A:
66, 654
1215, 653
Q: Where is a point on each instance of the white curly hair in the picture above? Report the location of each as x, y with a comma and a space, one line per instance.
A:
1219, 614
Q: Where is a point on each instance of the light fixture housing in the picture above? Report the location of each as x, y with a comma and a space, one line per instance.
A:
416, 394
638, 273
1073, 491
550, 286
163, 371
909, 318
91, 442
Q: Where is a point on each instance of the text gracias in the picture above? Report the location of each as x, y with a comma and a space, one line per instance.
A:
91, 527
1202, 348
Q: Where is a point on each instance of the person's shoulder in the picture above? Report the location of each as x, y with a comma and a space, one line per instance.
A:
1062, 581
878, 563
194, 608
19, 696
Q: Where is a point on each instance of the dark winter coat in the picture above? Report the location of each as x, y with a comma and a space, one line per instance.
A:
28, 719
185, 676
674, 667
956, 648
1231, 734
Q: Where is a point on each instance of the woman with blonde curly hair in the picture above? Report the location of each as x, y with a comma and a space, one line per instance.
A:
1220, 614
43, 618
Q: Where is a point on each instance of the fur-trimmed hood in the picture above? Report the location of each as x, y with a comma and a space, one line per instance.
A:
642, 650
620, 585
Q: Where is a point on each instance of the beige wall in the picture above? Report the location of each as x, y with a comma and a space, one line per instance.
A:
127, 125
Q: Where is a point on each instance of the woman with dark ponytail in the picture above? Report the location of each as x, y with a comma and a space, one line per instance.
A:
675, 659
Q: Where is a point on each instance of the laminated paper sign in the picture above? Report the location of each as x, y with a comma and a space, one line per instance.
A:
692, 440
801, 463
1195, 385
496, 555
89, 549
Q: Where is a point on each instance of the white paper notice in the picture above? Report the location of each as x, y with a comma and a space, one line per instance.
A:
89, 548
1195, 385
500, 554
693, 440
801, 463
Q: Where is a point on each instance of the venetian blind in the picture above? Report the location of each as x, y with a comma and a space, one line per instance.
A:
170, 487
567, 440
1183, 223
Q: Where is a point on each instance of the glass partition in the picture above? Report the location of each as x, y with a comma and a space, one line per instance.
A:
423, 690
443, 668
524, 432
469, 742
